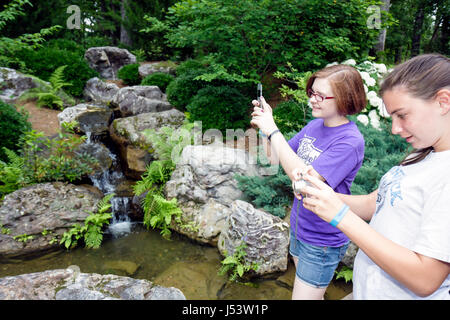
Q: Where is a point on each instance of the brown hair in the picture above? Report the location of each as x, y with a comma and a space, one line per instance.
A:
347, 86
422, 76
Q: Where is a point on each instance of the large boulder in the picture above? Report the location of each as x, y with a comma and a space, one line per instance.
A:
71, 284
99, 91
203, 184
108, 60
133, 145
266, 237
14, 83
43, 211
146, 69
93, 119
140, 99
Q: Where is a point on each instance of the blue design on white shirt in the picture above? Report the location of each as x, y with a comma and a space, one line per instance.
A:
391, 181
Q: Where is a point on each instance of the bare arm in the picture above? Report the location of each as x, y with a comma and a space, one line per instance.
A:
362, 205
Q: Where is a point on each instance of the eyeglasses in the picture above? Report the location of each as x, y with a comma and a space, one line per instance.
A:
319, 97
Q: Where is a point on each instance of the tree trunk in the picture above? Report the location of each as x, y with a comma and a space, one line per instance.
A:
379, 46
124, 36
416, 35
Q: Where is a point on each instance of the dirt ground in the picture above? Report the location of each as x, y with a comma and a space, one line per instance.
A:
42, 119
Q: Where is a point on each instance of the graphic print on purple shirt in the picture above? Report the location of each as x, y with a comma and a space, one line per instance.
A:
336, 153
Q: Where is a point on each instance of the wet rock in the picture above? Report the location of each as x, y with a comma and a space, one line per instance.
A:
43, 211
108, 60
204, 185
350, 255
140, 99
129, 267
99, 91
70, 284
14, 83
133, 145
266, 237
94, 119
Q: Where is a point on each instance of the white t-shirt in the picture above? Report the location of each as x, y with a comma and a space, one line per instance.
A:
412, 210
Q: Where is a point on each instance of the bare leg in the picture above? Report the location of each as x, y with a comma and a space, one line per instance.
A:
302, 291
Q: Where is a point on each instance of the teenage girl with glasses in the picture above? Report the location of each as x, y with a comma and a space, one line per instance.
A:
405, 250
334, 147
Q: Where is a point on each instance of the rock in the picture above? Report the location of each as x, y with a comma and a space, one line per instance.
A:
49, 208
140, 99
266, 237
204, 185
99, 91
146, 69
133, 145
70, 284
350, 255
129, 267
108, 60
91, 118
14, 83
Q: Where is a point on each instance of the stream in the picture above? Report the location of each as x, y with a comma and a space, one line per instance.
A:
129, 249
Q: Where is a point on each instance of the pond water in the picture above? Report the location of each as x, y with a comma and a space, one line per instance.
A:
178, 262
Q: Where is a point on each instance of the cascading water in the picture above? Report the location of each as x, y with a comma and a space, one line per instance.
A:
107, 180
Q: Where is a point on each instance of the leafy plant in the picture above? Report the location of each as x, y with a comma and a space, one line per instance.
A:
345, 273
130, 74
23, 238
50, 96
91, 231
235, 265
168, 145
13, 124
160, 79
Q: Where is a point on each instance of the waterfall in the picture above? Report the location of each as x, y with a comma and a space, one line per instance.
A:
107, 181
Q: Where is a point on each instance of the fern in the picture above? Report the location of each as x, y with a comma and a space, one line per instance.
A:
11, 174
162, 212
50, 95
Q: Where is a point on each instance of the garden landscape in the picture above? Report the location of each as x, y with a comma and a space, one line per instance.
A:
128, 166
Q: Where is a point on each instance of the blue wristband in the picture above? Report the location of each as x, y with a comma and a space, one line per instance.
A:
338, 217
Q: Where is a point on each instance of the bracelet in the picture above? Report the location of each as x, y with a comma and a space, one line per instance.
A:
262, 134
270, 135
338, 217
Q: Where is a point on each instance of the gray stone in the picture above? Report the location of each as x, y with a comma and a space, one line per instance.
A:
108, 60
266, 237
14, 83
146, 69
54, 207
70, 284
99, 91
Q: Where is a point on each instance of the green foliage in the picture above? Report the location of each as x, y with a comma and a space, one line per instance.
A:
9, 47
130, 74
50, 96
43, 159
44, 61
250, 38
220, 108
13, 125
382, 151
235, 265
345, 273
168, 144
291, 115
160, 79
91, 231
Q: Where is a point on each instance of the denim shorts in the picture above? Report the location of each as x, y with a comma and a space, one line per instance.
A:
316, 265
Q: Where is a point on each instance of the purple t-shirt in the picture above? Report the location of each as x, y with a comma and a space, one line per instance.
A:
336, 153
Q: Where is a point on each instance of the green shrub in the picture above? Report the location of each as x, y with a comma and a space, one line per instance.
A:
291, 115
44, 61
383, 150
189, 65
220, 108
13, 125
130, 74
183, 88
160, 79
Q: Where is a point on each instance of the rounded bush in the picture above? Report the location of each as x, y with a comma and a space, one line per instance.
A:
220, 108
12, 126
130, 74
183, 88
160, 79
